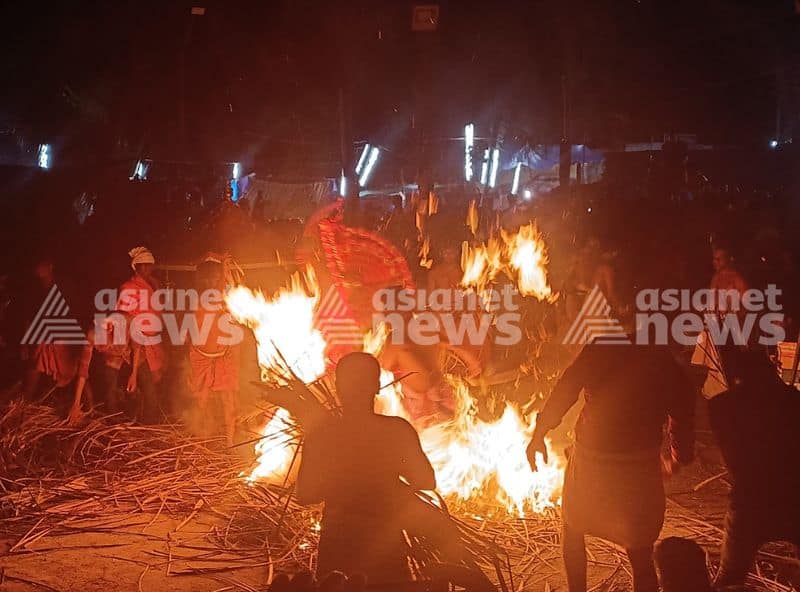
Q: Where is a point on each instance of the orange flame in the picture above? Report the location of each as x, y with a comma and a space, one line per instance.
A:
527, 259
484, 460
425, 254
274, 451
433, 203
522, 256
475, 460
480, 264
472, 217
283, 327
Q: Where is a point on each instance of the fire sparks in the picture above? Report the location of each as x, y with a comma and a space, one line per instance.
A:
433, 203
472, 217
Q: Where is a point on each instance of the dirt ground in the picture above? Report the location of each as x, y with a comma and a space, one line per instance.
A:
160, 552
145, 553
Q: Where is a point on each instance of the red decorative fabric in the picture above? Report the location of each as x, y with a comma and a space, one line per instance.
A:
362, 262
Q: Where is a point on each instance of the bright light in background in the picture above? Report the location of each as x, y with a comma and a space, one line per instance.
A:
773, 144
485, 167
469, 143
515, 183
343, 185
140, 171
527, 194
43, 156
237, 170
362, 159
370, 164
495, 166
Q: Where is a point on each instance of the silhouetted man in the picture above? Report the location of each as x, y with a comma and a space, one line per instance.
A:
354, 463
613, 486
755, 419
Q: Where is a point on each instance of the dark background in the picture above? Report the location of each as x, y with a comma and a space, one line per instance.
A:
259, 81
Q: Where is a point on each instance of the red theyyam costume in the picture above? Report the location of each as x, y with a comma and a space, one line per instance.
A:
352, 264
355, 265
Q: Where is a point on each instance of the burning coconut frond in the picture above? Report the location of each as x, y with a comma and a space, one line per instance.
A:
425, 253
472, 217
527, 258
288, 343
522, 256
291, 354
476, 460
277, 448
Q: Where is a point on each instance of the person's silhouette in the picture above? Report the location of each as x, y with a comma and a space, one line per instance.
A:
354, 463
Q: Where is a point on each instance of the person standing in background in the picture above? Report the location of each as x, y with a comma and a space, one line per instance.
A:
149, 357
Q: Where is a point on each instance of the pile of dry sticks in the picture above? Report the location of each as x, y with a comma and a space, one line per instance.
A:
105, 476
56, 479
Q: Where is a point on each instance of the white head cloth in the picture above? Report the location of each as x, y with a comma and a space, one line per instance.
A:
140, 255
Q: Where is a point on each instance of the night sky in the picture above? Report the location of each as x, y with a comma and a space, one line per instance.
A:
262, 79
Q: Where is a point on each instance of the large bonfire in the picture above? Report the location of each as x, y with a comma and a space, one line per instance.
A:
479, 463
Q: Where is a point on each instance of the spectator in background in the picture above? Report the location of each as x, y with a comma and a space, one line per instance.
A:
726, 276
149, 359
214, 361
49, 356
681, 566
